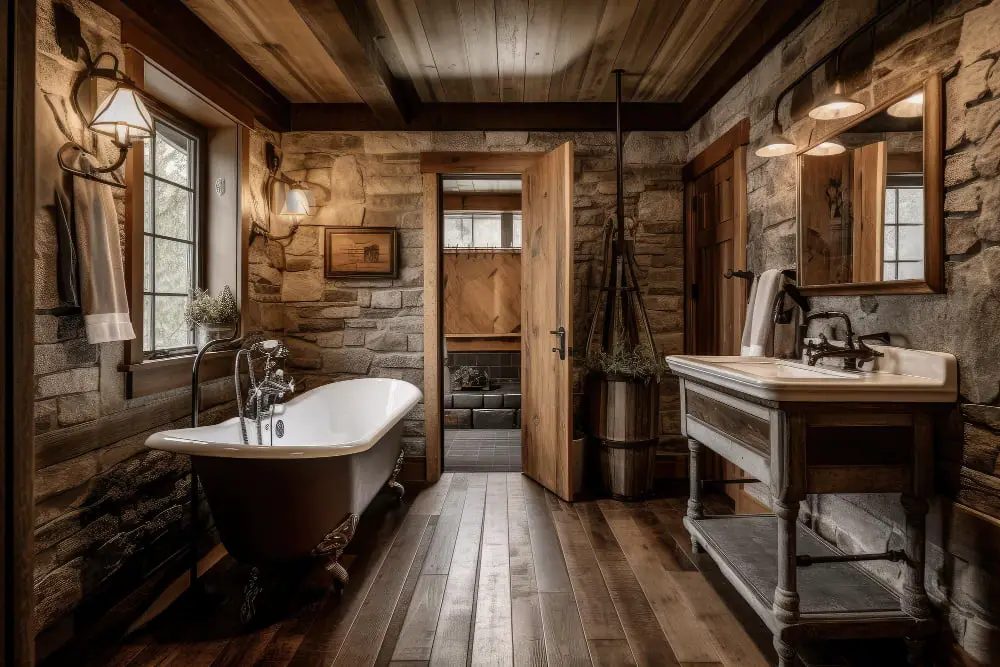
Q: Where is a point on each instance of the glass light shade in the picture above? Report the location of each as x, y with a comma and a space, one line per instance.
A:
123, 116
836, 104
298, 201
826, 148
911, 107
774, 145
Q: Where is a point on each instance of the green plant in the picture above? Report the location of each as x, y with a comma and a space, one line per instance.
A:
204, 309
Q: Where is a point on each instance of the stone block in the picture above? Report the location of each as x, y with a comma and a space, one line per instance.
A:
493, 400
347, 360
354, 337
54, 357
386, 341
303, 354
415, 342
341, 296
386, 299
468, 399
457, 418
493, 418
302, 286
400, 360
512, 400
73, 381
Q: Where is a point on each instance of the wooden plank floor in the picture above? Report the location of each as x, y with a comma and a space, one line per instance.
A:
479, 569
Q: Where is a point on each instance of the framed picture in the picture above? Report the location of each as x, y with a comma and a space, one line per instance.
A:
353, 252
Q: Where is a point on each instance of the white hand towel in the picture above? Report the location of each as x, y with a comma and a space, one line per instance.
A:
102, 278
757, 327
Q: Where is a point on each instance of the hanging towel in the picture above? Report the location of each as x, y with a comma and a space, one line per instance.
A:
757, 327
102, 279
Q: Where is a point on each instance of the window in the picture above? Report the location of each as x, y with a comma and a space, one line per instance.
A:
482, 230
171, 248
903, 244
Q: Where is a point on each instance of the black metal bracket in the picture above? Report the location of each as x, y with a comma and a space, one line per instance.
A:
894, 555
745, 275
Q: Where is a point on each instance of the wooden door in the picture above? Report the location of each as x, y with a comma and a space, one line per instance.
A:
716, 244
547, 305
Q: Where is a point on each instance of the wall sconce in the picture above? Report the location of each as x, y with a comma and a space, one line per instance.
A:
826, 148
299, 200
776, 143
296, 197
121, 116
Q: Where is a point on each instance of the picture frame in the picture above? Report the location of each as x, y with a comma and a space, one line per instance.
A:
361, 252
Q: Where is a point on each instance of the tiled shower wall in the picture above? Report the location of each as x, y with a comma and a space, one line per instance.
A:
503, 367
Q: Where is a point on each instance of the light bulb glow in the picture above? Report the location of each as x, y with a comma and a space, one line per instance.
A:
826, 148
911, 107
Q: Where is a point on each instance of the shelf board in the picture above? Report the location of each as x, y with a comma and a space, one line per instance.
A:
841, 597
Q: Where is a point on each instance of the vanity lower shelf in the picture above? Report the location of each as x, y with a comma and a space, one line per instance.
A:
835, 599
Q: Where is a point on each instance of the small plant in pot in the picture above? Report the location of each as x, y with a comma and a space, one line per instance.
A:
213, 317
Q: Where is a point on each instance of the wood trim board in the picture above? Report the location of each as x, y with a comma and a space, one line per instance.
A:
433, 327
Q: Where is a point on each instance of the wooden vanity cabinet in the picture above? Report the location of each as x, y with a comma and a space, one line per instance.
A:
799, 448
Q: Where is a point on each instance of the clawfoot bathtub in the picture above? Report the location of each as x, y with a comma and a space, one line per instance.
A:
326, 454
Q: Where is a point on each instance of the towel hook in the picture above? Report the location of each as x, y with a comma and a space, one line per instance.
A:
745, 275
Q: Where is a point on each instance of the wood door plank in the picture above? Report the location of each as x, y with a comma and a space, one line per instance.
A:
526, 614
438, 559
731, 641
405, 611
689, 639
361, 646
492, 639
550, 564
511, 47
481, 23
597, 610
612, 653
546, 304
598, 82
565, 643
645, 636
542, 41
451, 643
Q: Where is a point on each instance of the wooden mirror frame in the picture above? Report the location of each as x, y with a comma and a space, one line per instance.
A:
933, 280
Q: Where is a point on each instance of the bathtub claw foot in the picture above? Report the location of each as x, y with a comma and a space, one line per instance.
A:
393, 482
250, 593
333, 545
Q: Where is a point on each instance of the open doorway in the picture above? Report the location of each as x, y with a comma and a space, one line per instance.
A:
481, 309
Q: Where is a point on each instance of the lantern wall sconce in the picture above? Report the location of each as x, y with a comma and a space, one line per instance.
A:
122, 116
295, 196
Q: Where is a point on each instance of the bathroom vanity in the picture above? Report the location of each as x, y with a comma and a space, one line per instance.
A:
802, 430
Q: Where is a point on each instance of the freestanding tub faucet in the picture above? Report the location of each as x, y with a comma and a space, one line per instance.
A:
264, 392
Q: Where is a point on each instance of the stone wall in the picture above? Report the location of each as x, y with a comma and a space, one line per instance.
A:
962, 40
339, 329
109, 512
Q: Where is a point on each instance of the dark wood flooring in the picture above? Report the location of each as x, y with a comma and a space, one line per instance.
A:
481, 568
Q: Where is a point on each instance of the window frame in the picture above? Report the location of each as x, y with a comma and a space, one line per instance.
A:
135, 234
471, 214
181, 123
902, 182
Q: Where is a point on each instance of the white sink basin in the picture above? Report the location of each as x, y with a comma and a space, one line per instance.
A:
900, 375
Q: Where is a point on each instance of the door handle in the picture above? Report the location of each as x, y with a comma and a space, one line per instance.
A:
561, 332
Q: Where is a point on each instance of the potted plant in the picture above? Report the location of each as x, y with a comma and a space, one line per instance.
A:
212, 316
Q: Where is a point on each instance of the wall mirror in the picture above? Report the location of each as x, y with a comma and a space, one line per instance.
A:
871, 201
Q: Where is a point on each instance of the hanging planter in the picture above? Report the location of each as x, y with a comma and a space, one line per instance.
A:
623, 367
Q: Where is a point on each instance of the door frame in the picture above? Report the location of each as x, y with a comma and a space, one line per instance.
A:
432, 167
17, 336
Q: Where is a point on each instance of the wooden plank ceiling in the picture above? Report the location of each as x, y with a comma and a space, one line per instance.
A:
494, 50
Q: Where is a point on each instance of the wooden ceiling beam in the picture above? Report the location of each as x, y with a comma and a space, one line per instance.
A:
347, 31
496, 116
172, 29
774, 21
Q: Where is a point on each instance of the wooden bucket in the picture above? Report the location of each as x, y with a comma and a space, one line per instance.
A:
623, 421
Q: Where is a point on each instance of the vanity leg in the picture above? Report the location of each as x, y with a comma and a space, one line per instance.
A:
695, 510
785, 651
786, 596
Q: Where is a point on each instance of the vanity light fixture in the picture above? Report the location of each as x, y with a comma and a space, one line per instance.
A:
122, 116
775, 144
836, 104
911, 107
826, 148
